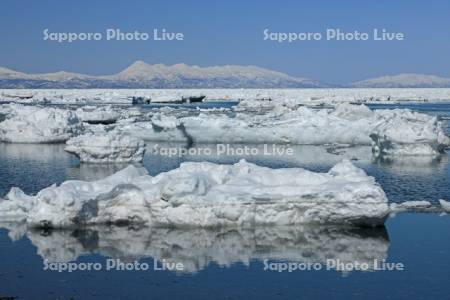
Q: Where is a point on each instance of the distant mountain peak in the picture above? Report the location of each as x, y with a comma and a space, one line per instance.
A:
138, 65
138, 62
183, 75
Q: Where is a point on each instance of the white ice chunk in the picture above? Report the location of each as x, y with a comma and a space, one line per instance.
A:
31, 124
352, 112
106, 147
403, 132
165, 122
204, 194
161, 128
98, 115
445, 205
410, 205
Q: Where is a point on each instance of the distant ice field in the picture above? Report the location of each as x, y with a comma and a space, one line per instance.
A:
305, 96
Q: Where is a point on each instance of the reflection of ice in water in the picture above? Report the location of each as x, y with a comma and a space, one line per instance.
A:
308, 156
35, 156
44, 153
222, 153
92, 172
303, 155
197, 248
414, 165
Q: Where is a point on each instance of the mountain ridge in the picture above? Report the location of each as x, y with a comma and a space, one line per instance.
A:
404, 80
143, 75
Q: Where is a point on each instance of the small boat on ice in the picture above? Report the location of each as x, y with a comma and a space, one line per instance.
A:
169, 100
193, 99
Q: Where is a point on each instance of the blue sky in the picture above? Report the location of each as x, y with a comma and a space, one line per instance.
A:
230, 32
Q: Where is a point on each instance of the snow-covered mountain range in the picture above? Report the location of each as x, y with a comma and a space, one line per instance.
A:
143, 75
404, 81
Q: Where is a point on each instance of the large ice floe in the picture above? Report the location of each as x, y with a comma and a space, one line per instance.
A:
206, 194
33, 124
404, 132
197, 248
98, 115
102, 146
391, 132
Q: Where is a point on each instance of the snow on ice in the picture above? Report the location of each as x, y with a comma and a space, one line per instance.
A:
420, 205
445, 205
106, 147
391, 132
98, 115
32, 124
202, 194
404, 132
